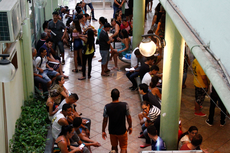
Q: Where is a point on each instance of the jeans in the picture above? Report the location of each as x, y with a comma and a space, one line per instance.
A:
43, 82
91, 7
214, 96
115, 8
60, 46
131, 76
84, 59
145, 132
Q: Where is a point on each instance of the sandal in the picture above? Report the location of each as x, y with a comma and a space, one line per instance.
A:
114, 68
75, 70
105, 75
107, 70
66, 77
82, 78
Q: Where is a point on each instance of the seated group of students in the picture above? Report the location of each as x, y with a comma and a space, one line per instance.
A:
70, 131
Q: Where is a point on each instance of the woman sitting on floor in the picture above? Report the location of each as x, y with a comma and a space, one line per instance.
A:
153, 86
51, 107
62, 143
187, 136
62, 91
125, 42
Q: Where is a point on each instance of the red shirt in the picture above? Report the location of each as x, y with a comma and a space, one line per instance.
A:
185, 147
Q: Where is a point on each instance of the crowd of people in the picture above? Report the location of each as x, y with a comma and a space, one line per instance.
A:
72, 132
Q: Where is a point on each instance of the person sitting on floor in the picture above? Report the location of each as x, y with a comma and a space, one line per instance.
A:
62, 143
151, 115
44, 69
187, 136
157, 143
59, 85
38, 78
195, 143
125, 43
147, 77
153, 87
51, 107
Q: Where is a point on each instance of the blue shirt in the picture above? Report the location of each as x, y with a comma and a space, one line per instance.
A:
158, 145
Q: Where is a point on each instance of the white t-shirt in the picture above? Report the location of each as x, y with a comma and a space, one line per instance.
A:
182, 140
146, 79
56, 127
87, 1
64, 20
134, 58
44, 61
61, 104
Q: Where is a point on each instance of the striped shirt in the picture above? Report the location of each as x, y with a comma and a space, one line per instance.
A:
154, 112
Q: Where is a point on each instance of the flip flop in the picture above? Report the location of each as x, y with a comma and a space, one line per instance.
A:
114, 68
66, 77
75, 70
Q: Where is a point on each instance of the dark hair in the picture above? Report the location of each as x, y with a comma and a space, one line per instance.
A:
54, 93
65, 129
90, 39
154, 67
58, 78
154, 81
143, 87
196, 140
151, 58
137, 52
79, 16
41, 50
66, 106
49, 40
86, 14
113, 19
192, 128
78, 9
125, 33
152, 130
116, 15
103, 20
150, 32
45, 25
55, 13
146, 103
77, 25
77, 122
115, 94
74, 96
43, 35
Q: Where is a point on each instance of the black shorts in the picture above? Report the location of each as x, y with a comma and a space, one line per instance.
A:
128, 12
199, 95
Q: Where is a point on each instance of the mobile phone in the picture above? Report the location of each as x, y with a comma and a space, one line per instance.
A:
82, 146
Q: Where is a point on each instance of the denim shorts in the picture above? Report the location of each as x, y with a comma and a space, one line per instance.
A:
105, 56
47, 73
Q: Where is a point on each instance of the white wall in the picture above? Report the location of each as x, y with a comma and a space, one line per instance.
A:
14, 98
210, 20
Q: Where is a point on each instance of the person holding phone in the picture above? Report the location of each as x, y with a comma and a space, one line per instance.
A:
62, 143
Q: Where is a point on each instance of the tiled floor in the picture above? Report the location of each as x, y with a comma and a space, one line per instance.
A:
95, 93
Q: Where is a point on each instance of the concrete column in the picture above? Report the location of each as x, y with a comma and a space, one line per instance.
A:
54, 4
27, 67
48, 10
172, 84
138, 21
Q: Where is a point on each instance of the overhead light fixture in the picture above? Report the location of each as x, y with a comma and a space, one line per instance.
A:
7, 69
147, 47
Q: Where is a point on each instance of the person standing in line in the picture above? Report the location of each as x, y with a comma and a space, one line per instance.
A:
117, 112
201, 86
89, 3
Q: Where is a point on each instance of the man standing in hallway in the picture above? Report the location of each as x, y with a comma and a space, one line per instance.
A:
56, 27
201, 86
89, 3
117, 111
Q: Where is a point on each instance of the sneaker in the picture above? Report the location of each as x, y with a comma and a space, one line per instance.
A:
207, 122
130, 87
94, 19
134, 89
222, 124
144, 146
200, 114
